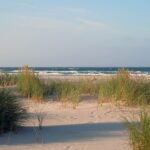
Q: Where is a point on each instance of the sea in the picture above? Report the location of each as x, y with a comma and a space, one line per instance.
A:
79, 71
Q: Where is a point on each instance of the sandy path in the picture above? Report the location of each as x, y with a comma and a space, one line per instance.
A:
85, 128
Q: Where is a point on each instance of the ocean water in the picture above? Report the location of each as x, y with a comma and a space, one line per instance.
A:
79, 70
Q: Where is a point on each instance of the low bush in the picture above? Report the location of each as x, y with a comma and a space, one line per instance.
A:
11, 112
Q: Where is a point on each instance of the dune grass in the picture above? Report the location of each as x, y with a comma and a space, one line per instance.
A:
29, 84
11, 112
120, 88
125, 89
65, 91
89, 87
139, 131
7, 80
68, 92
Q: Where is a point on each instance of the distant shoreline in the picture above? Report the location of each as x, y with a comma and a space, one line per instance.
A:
79, 71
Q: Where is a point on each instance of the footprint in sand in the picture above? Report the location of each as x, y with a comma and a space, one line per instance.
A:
93, 114
68, 147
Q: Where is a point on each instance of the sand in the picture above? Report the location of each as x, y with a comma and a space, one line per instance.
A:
89, 77
88, 127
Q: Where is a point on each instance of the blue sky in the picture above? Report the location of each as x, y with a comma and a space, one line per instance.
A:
75, 33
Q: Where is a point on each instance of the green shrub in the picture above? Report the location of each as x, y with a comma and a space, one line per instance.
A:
139, 132
29, 84
11, 112
37, 89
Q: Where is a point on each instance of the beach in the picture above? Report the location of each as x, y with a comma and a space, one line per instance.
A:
74, 75
54, 125
84, 128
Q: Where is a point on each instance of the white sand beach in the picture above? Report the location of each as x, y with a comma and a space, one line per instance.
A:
88, 127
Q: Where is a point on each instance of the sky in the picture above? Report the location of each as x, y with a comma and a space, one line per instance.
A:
59, 33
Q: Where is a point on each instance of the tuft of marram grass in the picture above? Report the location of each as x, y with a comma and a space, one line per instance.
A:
139, 131
11, 112
29, 84
68, 92
125, 89
65, 91
89, 87
7, 80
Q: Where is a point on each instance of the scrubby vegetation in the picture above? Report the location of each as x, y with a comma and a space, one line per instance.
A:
122, 87
7, 80
89, 87
68, 92
125, 89
29, 84
65, 91
11, 112
139, 132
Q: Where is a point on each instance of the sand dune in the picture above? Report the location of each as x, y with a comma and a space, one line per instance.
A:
85, 128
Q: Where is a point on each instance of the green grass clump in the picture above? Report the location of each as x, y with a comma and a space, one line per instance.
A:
68, 92
51, 87
29, 84
37, 89
89, 87
143, 92
8, 80
116, 88
11, 112
84, 87
65, 91
125, 89
139, 132
107, 91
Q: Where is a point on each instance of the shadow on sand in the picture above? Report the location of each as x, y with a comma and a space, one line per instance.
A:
64, 133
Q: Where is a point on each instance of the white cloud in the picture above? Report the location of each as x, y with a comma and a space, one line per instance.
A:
92, 23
